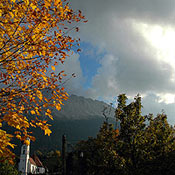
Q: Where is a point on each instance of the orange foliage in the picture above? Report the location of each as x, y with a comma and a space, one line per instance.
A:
33, 38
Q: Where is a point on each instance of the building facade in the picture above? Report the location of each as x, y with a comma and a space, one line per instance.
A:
29, 164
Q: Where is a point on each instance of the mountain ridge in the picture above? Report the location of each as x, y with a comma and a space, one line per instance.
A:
79, 107
79, 118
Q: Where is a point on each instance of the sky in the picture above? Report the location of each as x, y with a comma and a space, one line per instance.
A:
128, 46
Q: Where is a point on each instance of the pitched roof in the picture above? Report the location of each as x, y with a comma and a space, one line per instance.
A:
37, 161
32, 161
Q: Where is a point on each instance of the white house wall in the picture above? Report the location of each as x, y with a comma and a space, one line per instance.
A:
24, 159
25, 166
41, 170
32, 168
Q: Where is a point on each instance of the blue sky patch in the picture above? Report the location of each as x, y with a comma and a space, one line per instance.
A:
89, 62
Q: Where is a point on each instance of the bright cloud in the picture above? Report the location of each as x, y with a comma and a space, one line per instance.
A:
72, 66
162, 38
138, 39
166, 98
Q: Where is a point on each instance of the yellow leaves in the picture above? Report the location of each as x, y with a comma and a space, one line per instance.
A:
27, 142
21, 84
47, 131
31, 124
44, 78
22, 108
18, 127
60, 9
32, 112
44, 126
11, 14
28, 48
0, 13
58, 153
49, 111
11, 145
46, 99
45, 105
58, 107
53, 68
33, 6
47, 4
18, 137
57, 2
27, 2
37, 110
4, 144
39, 94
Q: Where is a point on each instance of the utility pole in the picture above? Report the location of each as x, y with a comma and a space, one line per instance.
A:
64, 154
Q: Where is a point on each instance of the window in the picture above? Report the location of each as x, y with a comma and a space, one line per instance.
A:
24, 148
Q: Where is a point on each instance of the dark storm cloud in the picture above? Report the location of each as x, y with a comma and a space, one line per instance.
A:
131, 64
151, 10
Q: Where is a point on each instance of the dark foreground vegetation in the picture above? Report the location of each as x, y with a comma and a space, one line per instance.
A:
139, 145
136, 145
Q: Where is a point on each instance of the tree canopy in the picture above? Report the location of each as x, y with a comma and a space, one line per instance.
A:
34, 38
142, 144
142, 139
7, 169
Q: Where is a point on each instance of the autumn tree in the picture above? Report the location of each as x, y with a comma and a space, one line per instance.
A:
159, 147
7, 169
160, 135
33, 40
99, 154
131, 136
144, 142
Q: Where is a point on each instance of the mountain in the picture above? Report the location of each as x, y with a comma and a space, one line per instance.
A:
78, 108
78, 119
